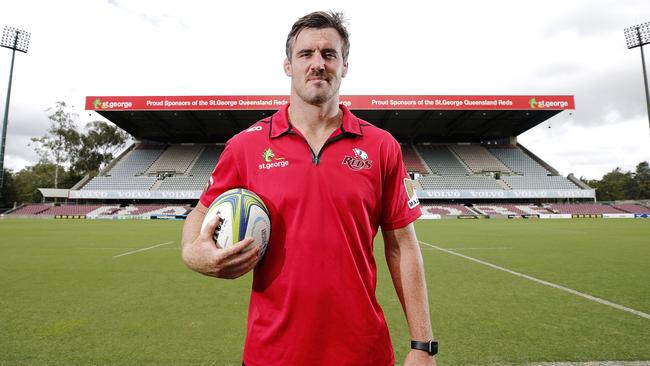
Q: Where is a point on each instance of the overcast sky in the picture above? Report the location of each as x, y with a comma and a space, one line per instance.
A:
120, 47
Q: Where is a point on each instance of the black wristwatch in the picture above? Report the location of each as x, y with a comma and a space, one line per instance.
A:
430, 347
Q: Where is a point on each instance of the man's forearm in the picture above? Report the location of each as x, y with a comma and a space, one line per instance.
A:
192, 225
407, 271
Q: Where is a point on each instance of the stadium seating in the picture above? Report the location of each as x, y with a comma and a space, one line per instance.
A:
631, 208
478, 159
412, 161
102, 211
510, 209
176, 159
538, 182
136, 162
445, 210
584, 209
29, 210
518, 161
198, 175
456, 182
121, 183
70, 210
442, 161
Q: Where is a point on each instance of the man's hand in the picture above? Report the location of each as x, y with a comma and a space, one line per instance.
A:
203, 256
419, 358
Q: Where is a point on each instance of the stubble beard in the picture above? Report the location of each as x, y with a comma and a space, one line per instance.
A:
319, 96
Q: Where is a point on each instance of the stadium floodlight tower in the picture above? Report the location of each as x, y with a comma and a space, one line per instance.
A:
638, 36
16, 40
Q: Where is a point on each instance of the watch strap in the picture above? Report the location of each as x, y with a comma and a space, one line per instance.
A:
430, 347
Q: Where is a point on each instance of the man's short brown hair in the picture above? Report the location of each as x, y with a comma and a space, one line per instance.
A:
320, 20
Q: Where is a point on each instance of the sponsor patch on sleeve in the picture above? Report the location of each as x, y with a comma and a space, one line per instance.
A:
410, 193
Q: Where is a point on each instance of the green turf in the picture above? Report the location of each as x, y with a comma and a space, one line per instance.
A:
66, 300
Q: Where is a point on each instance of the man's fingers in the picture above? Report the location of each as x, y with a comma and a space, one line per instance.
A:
235, 259
211, 227
243, 266
239, 246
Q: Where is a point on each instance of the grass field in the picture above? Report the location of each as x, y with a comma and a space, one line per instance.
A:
86, 293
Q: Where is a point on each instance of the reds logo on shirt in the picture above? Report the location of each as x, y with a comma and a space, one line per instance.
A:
359, 161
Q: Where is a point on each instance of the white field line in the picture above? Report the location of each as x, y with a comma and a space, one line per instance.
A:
592, 363
115, 248
497, 248
142, 249
546, 283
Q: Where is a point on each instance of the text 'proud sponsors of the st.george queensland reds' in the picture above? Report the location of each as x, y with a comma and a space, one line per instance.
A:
440, 102
492, 102
216, 103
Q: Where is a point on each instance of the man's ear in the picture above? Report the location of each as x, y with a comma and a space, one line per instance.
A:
287, 67
345, 70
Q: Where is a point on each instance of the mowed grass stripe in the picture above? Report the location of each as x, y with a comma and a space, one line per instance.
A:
605, 258
545, 283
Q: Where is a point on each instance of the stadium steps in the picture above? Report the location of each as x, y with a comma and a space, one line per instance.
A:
422, 161
157, 184
577, 181
475, 211
538, 160
176, 158
478, 159
460, 159
503, 184
196, 158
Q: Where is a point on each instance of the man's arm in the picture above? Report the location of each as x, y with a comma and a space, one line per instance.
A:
202, 255
407, 271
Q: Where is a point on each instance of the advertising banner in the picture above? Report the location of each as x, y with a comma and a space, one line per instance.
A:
140, 195
502, 194
357, 102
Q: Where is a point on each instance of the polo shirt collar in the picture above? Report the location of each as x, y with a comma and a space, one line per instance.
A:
280, 122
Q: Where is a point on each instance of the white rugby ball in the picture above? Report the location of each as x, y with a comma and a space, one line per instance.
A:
243, 214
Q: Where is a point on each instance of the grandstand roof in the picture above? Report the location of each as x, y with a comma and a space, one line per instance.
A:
416, 118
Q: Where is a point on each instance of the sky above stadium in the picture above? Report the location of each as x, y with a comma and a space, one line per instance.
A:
555, 47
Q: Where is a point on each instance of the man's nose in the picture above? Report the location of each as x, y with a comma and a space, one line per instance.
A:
317, 62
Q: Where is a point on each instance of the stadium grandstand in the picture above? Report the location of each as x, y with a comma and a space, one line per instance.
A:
461, 151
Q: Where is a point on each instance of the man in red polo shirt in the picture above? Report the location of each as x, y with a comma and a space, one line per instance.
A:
329, 180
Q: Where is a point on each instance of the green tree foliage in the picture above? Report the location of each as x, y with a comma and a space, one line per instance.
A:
642, 178
97, 147
76, 153
61, 139
623, 185
40, 175
8, 194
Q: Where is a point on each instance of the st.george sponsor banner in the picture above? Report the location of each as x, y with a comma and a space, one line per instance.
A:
501, 194
357, 102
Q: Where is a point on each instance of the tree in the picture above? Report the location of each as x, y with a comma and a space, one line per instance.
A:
82, 152
642, 178
30, 179
62, 137
8, 194
620, 185
97, 147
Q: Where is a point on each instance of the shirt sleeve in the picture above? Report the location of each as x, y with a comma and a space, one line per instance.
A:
400, 205
225, 176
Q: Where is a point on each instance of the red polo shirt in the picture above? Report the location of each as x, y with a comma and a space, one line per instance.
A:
313, 298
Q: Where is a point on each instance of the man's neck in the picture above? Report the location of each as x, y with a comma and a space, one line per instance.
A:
314, 119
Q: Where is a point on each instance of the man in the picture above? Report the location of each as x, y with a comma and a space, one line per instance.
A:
329, 180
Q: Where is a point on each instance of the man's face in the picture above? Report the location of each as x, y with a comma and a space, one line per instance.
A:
316, 66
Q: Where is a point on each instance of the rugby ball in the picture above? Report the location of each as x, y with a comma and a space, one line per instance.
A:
243, 214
